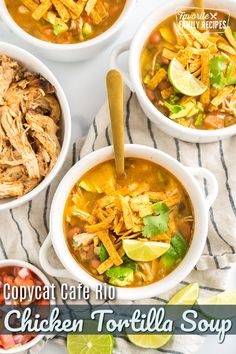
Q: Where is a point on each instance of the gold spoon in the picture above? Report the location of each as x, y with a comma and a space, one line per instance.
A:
115, 99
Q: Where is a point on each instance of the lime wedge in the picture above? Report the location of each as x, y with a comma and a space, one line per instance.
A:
90, 344
149, 341
144, 251
225, 298
184, 81
186, 296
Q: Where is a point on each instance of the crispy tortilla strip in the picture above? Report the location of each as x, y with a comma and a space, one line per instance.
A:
41, 10
76, 8
201, 38
205, 76
62, 10
185, 55
168, 54
11, 189
226, 48
108, 263
98, 13
165, 94
103, 225
127, 213
183, 34
194, 65
157, 78
230, 37
145, 210
155, 196
114, 255
30, 4
90, 5
222, 95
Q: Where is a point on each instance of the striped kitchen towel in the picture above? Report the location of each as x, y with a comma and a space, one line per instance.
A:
24, 229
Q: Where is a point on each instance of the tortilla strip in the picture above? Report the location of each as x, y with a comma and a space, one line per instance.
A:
30, 4
77, 9
62, 10
226, 48
98, 13
230, 37
157, 78
41, 10
205, 76
127, 213
222, 95
201, 38
103, 225
108, 263
184, 55
114, 255
90, 5
169, 54
165, 94
185, 35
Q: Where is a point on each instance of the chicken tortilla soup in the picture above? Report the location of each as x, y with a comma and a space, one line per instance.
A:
65, 21
129, 232
189, 73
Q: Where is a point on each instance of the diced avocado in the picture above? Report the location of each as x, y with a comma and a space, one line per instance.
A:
147, 79
87, 29
169, 259
199, 119
120, 275
187, 107
60, 28
168, 35
180, 245
103, 254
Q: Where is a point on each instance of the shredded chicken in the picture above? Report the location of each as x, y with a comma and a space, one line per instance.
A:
29, 114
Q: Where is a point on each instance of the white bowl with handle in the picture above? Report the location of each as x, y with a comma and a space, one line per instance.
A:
70, 52
186, 175
133, 78
18, 263
33, 64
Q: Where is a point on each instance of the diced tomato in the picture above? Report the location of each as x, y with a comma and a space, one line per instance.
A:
8, 279
7, 341
214, 121
28, 281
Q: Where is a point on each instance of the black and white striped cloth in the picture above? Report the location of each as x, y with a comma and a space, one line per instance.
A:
23, 230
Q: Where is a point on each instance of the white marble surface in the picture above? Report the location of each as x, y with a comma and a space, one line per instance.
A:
84, 85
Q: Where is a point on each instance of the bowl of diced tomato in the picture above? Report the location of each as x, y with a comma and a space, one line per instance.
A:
19, 273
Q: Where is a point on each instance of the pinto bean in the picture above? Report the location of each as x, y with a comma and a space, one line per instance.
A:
155, 37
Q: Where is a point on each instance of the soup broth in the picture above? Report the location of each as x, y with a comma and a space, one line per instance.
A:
59, 24
189, 73
148, 208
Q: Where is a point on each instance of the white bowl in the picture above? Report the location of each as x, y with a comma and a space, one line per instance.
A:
34, 64
70, 52
18, 263
186, 175
133, 79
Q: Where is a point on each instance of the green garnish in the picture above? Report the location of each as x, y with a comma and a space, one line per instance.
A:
173, 99
199, 119
221, 72
87, 29
156, 224
103, 254
180, 245
147, 79
60, 28
120, 275
173, 108
175, 253
129, 263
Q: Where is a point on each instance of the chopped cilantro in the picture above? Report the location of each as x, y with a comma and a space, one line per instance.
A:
173, 108
103, 254
156, 224
220, 72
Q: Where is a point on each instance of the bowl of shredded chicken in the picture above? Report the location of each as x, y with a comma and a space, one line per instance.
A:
33, 125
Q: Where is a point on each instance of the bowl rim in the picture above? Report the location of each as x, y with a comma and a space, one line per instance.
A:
11, 262
60, 246
6, 17
66, 122
134, 70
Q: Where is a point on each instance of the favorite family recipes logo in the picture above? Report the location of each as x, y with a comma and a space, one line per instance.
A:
206, 20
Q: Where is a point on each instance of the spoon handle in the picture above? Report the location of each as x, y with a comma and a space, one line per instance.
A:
115, 99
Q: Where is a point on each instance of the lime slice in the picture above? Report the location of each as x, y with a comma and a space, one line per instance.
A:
225, 298
149, 341
186, 296
90, 344
184, 81
144, 251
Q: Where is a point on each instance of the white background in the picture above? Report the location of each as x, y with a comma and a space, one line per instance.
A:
84, 85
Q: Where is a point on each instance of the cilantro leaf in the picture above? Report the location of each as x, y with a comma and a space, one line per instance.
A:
103, 254
173, 108
220, 72
156, 224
